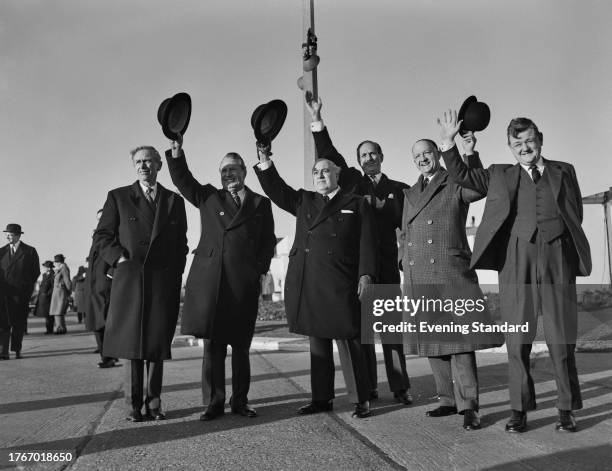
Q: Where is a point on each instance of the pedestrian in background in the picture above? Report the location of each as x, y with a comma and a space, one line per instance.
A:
43, 300
78, 293
61, 293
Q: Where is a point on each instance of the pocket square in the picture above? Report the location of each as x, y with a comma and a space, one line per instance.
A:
347, 211
390, 197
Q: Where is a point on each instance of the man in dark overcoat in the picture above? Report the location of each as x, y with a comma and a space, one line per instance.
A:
20, 265
43, 300
531, 234
142, 236
435, 253
331, 263
222, 291
386, 198
98, 284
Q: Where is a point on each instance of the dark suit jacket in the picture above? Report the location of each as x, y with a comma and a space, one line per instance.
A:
235, 248
387, 218
500, 183
145, 292
20, 275
334, 245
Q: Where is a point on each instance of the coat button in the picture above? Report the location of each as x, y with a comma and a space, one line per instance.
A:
330, 252
429, 221
431, 260
411, 262
333, 234
409, 244
309, 232
306, 250
221, 213
429, 241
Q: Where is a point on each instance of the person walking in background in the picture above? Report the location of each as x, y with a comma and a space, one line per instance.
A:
267, 287
61, 293
19, 265
43, 301
78, 293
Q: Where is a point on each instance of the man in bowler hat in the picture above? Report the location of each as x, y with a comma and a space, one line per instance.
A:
20, 266
142, 236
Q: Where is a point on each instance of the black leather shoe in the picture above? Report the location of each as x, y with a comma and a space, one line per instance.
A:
403, 396
566, 422
97, 350
517, 422
155, 414
135, 416
362, 410
109, 363
441, 411
211, 413
315, 407
373, 394
471, 421
18, 355
245, 411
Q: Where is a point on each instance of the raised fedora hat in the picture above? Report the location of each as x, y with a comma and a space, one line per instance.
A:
475, 115
173, 114
267, 120
13, 229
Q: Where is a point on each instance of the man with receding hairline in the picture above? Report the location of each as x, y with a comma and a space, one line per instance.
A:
386, 198
224, 282
141, 235
332, 261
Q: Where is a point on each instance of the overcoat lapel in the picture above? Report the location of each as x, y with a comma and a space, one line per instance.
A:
165, 200
420, 199
337, 202
141, 204
18, 255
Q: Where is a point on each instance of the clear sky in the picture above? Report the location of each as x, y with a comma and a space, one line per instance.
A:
80, 83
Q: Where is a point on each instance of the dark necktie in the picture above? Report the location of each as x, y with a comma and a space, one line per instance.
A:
11, 252
535, 173
373, 181
425, 183
149, 196
326, 199
236, 198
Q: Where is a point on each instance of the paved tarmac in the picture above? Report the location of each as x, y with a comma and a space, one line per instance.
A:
56, 400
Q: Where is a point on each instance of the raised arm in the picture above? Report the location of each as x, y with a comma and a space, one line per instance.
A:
349, 176
273, 185
476, 179
268, 239
182, 177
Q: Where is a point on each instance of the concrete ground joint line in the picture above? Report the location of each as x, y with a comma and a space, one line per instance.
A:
93, 427
342, 423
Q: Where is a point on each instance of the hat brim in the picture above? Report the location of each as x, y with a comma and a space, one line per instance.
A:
464, 106
174, 114
267, 120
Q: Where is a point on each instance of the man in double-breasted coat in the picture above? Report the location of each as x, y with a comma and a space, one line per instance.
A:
386, 198
531, 234
20, 265
332, 261
434, 254
142, 236
224, 282
98, 284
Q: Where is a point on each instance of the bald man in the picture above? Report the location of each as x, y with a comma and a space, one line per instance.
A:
332, 261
